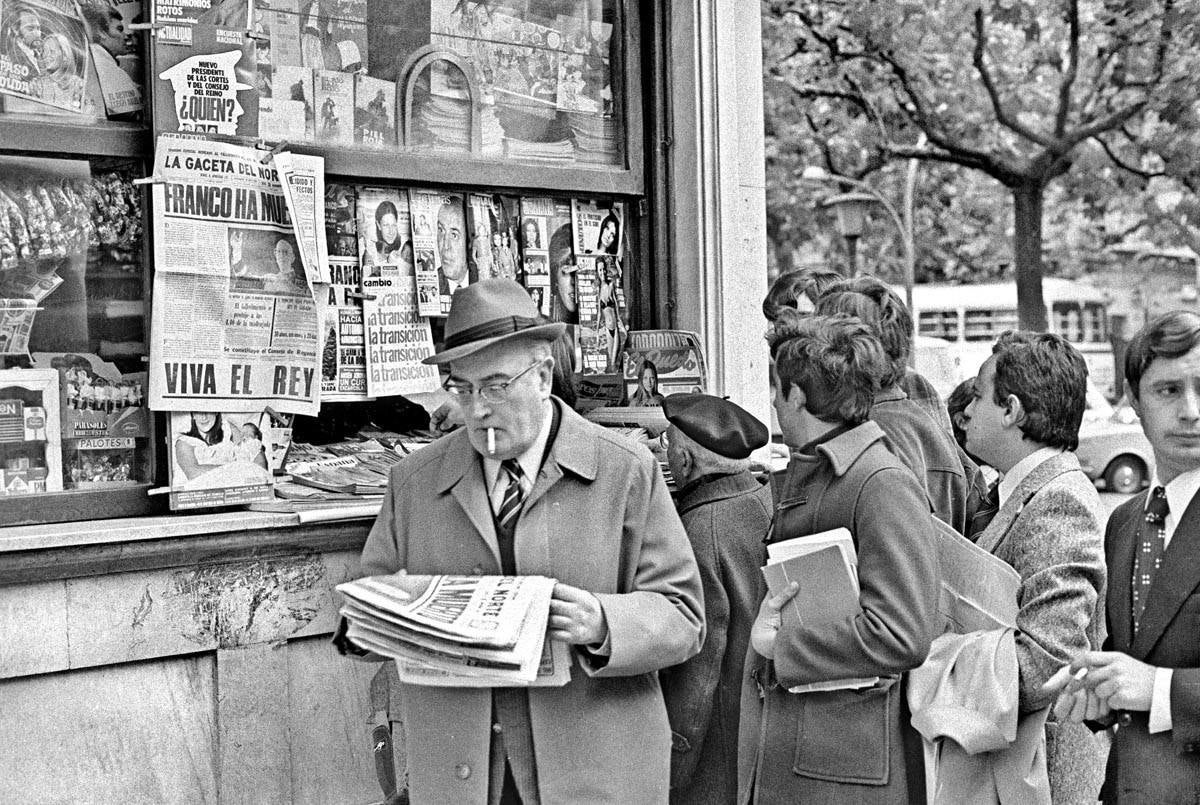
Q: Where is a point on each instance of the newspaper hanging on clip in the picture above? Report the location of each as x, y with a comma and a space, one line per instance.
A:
234, 324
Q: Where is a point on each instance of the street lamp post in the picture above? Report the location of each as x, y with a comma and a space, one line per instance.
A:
851, 210
904, 224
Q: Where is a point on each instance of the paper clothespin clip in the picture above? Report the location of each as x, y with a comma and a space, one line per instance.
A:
283, 420
257, 36
148, 180
271, 150
360, 295
144, 26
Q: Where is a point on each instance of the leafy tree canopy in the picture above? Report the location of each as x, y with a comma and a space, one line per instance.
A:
1069, 121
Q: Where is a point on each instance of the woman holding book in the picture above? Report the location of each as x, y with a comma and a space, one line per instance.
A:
839, 744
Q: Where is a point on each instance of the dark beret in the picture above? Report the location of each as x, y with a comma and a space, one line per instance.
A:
723, 427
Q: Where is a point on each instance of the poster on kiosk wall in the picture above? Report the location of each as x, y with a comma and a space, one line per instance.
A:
204, 68
234, 324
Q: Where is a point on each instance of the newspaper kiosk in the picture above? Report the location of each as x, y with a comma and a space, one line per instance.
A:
207, 199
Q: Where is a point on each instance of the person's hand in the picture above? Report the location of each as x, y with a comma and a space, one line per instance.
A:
1119, 680
1075, 702
576, 616
446, 417
1079, 706
762, 634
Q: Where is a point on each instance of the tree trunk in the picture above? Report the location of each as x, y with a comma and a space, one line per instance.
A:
1027, 254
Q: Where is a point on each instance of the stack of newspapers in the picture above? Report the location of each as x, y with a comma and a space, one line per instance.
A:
458, 631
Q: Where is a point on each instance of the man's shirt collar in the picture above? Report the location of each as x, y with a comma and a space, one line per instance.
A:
1012, 479
1180, 492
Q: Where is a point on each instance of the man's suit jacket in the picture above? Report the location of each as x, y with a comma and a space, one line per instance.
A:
1164, 767
444, 285
598, 517
1049, 531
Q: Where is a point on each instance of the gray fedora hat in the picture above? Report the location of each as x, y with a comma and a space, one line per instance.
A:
488, 312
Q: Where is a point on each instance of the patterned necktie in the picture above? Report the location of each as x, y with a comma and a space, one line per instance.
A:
986, 511
1151, 544
509, 509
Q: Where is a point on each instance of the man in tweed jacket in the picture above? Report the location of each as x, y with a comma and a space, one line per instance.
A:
1023, 420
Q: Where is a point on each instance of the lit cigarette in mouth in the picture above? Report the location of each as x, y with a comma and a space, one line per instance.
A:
491, 441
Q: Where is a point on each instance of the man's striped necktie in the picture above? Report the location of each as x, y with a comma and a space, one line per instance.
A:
514, 496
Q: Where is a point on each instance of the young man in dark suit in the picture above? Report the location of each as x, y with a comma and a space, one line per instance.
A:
1147, 680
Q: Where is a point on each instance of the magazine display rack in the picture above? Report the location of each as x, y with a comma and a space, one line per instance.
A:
420, 61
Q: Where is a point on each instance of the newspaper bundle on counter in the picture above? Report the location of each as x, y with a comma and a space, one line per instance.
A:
458, 631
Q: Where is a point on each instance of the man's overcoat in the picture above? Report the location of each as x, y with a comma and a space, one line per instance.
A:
598, 517
846, 746
726, 519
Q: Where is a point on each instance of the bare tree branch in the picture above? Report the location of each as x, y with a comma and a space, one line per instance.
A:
1124, 233
823, 144
970, 157
810, 91
872, 111
1104, 57
831, 43
1125, 166
1164, 40
1072, 71
948, 157
1102, 125
1005, 119
796, 51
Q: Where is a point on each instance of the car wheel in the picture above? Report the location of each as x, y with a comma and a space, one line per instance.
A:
1124, 475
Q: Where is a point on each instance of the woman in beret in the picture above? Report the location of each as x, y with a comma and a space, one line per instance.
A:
839, 745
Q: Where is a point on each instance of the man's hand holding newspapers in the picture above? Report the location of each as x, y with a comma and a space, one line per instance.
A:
576, 617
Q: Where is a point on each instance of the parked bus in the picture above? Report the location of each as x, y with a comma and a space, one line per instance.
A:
971, 317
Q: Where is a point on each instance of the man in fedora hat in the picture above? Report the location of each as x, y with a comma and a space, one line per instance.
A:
529, 487
726, 513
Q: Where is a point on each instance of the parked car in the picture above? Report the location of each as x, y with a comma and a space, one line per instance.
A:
1114, 450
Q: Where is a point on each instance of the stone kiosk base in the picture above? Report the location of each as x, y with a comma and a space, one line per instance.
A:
184, 659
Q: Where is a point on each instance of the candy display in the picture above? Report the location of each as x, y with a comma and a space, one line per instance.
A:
42, 220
